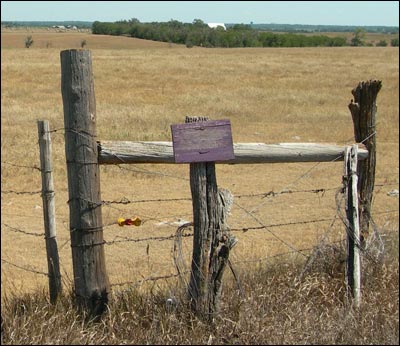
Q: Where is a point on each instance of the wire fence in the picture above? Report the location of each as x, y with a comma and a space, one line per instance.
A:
248, 216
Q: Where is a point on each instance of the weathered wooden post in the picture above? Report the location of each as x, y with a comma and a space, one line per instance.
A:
49, 214
363, 111
200, 143
86, 227
353, 228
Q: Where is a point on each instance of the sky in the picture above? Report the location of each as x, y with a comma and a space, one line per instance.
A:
361, 13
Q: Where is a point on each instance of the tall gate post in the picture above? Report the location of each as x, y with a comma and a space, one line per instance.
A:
86, 226
363, 112
212, 240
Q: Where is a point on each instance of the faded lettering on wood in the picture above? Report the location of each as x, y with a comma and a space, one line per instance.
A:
202, 141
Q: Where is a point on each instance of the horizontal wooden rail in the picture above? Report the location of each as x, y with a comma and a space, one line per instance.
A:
116, 152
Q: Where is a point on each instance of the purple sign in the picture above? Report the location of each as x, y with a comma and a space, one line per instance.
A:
203, 141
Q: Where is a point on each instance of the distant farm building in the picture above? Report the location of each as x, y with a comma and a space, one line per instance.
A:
216, 25
63, 27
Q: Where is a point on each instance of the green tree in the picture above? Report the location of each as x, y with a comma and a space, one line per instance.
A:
134, 21
198, 23
395, 42
28, 41
358, 39
337, 42
382, 43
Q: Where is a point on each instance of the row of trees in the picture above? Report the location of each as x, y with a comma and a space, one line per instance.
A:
359, 40
199, 33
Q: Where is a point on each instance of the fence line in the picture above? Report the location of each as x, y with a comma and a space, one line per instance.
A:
151, 278
269, 195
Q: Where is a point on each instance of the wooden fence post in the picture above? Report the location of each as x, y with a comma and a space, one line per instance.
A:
363, 111
49, 214
211, 241
92, 287
353, 229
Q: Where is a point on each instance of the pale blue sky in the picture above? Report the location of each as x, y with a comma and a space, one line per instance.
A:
385, 13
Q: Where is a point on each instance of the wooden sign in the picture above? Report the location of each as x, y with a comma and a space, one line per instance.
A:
204, 141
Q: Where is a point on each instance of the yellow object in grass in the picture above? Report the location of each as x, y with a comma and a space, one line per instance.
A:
135, 221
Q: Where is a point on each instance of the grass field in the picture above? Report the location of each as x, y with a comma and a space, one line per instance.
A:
270, 95
369, 38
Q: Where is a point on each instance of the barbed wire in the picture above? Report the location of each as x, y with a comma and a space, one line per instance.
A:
21, 166
156, 278
135, 240
150, 278
21, 231
125, 200
55, 130
245, 229
24, 268
21, 192
271, 193
146, 171
266, 258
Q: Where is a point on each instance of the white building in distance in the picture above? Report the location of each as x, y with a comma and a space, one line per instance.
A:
216, 25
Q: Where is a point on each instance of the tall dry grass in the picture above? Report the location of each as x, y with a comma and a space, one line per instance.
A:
272, 308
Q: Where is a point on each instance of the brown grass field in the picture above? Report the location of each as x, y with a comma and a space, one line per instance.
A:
369, 37
269, 95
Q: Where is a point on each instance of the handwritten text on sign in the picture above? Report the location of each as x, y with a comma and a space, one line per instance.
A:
204, 141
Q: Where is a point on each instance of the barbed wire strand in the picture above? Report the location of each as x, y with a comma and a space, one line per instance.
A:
24, 268
21, 231
21, 166
21, 192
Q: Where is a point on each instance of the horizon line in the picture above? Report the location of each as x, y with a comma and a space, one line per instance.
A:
251, 23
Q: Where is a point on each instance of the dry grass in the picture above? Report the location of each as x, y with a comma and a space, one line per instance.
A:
272, 308
54, 38
270, 95
370, 38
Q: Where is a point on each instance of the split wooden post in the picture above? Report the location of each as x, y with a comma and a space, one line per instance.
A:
49, 214
353, 228
211, 240
363, 111
86, 226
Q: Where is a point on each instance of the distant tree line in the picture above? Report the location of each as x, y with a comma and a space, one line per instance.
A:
46, 24
199, 33
305, 28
